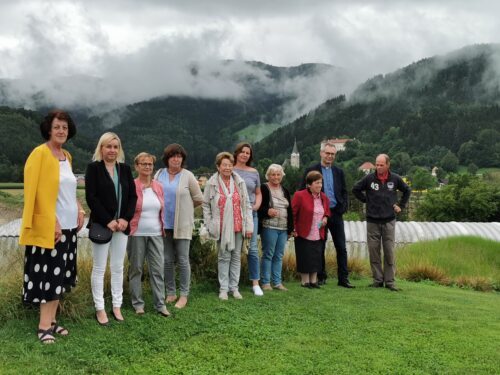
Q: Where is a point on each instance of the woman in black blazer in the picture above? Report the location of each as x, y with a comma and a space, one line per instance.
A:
109, 181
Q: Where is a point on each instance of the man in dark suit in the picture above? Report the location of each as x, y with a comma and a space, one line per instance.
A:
334, 187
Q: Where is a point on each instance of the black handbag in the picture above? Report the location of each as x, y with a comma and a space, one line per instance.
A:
99, 234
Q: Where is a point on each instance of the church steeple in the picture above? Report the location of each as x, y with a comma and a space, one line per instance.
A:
295, 157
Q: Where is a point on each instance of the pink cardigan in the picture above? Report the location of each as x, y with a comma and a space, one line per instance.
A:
158, 190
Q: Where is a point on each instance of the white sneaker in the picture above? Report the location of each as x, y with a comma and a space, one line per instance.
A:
257, 290
237, 295
223, 296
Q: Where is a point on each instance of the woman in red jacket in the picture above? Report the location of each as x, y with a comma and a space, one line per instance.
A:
310, 214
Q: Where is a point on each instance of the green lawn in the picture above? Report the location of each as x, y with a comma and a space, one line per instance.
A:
424, 329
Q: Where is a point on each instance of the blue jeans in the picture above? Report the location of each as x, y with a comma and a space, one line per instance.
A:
273, 249
253, 251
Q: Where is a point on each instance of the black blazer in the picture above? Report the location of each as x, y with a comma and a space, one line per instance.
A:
266, 205
101, 197
339, 186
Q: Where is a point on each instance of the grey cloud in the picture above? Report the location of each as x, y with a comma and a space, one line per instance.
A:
363, 37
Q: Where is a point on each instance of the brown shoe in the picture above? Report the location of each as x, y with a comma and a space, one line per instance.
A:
139, 311
182, 302
164, 312
267, 287
281, 287
171, 299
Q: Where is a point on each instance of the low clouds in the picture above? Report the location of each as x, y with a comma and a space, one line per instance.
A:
106, 54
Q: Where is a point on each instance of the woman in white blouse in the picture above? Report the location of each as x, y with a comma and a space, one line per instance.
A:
146, 237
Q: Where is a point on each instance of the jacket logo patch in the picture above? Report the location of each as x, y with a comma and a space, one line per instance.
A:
390, 185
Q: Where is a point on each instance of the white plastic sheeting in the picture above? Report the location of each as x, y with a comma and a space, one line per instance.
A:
406, 232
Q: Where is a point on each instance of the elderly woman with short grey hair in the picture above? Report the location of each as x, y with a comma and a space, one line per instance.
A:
275, 227
227, 213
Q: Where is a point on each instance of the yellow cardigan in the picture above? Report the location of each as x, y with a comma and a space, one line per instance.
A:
41, 188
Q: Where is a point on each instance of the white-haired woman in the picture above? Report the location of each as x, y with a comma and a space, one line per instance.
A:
228, 216
111, 197
275, 227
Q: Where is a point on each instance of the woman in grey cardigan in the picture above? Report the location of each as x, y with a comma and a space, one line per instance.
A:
182, 195
228, 217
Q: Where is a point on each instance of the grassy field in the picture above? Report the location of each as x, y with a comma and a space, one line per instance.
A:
256, 132
424, 329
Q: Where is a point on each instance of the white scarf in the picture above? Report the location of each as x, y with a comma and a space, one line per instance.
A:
227, 240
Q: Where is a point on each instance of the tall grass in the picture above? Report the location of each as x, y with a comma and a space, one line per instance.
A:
464, 261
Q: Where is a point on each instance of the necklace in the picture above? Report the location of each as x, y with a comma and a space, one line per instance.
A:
58, 153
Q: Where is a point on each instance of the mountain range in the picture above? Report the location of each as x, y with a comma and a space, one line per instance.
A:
421, 112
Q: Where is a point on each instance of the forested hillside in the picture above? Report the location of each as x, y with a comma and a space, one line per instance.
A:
439, 111
437, 107
20, 133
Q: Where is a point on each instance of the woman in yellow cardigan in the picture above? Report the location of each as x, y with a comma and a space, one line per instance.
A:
51, 218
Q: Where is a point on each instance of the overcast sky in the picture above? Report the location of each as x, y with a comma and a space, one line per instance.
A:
145, 39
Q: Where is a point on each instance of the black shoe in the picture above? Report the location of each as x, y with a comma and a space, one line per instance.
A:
322, 282
306, 285
376, 285
347, 285
392, 288
116, 318
315, 286
105, 324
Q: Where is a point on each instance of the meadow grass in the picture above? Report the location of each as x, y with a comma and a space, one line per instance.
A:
426, 328
464, 261
11, 185
12, 199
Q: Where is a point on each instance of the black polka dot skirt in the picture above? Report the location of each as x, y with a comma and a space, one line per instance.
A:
48, 273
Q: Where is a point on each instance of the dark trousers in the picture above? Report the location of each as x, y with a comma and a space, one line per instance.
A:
335, 225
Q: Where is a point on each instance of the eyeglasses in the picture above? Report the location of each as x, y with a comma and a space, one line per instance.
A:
329, 153
150, 165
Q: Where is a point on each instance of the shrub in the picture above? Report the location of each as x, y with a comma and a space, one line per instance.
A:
420, 272
482, 284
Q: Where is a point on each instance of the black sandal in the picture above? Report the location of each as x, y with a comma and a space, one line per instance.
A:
42, 336
59, 329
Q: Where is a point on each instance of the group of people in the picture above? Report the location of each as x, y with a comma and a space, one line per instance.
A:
151, 218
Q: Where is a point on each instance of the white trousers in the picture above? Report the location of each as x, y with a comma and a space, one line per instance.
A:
117, 249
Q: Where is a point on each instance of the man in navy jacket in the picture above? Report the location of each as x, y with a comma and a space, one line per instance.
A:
379, 190
335, 189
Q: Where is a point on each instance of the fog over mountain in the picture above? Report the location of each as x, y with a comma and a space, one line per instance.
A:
107, 54
126, 81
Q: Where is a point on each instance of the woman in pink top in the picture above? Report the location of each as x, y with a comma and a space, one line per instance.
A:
310, 213
146, 237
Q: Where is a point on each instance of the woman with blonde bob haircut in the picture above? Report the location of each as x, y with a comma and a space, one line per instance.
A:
111, 197
275, 227
228, 216
146, 237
